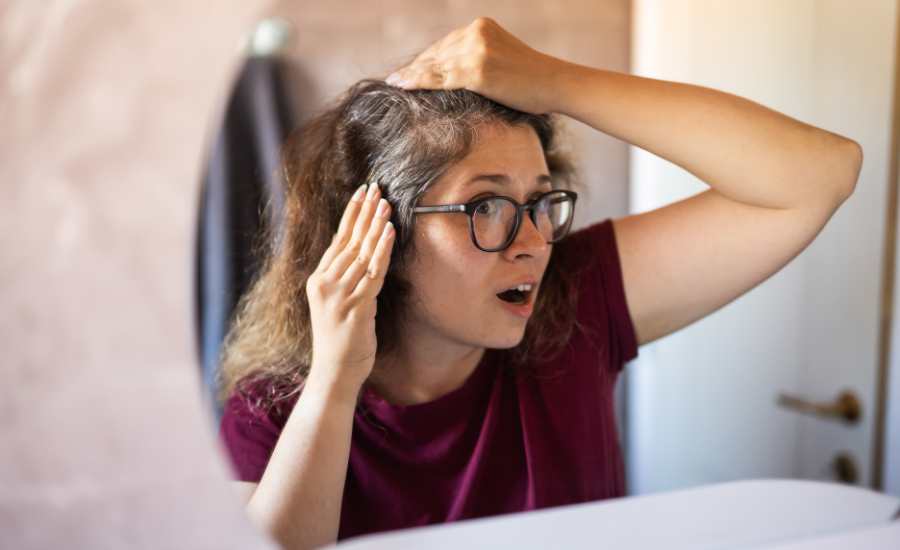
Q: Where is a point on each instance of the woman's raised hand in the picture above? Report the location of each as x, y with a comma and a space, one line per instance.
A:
484, 58
342, 291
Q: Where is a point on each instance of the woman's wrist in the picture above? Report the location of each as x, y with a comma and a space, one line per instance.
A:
570, 83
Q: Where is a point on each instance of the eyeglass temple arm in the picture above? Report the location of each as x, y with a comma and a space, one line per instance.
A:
444, 208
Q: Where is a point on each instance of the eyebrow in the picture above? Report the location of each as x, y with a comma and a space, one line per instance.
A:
503, 179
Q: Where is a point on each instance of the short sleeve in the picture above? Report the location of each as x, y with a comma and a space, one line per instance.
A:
602, 284
249, 437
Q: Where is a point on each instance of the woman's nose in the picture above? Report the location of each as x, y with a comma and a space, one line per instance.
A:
528, 240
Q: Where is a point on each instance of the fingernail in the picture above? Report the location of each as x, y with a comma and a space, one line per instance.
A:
373, 188
358, 194
382, 207
396, 80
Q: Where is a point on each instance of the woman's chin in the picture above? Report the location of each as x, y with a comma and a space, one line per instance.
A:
507, 338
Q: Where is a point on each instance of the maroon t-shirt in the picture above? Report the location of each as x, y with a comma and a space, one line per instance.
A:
497, 444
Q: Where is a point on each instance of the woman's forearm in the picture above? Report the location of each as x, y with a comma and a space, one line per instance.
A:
298, 500
745, 151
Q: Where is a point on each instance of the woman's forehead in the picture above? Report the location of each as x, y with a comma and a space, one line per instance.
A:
510, 156
498, 146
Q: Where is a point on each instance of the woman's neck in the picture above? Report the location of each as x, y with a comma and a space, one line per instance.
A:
421, 373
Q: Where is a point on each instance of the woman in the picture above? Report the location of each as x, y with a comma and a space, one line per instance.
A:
464, 398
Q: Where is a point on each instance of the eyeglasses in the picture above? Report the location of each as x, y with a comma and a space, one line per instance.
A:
494, 221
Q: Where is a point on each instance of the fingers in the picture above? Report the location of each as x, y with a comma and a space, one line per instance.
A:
358, 265
441, 47
370, 285
355, 250
431, 76
365, 216
349, 218
342, 236
447, 63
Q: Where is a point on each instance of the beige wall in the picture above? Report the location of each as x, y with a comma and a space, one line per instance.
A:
104, 108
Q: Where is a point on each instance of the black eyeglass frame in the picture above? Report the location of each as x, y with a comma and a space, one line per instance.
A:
470, 207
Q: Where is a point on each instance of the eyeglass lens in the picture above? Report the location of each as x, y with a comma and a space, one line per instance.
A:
495, 219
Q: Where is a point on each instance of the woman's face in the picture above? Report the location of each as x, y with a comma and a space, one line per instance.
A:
455, 285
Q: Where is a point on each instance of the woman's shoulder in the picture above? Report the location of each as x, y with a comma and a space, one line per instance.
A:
592, 252
251, 423
586, 239
264, 399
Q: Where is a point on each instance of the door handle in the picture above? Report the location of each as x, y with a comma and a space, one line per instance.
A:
845, 407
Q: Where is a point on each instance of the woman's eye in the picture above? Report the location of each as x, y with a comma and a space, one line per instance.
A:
484, 208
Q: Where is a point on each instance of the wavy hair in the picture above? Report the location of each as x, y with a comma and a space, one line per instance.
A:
405, 140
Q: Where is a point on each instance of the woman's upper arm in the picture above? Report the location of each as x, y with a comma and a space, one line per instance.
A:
685, 260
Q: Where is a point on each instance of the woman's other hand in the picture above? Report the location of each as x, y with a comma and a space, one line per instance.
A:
484, 58
342, 292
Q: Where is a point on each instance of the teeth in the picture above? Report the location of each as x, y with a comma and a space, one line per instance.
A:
523, 288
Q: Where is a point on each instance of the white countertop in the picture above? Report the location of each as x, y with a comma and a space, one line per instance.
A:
775, 513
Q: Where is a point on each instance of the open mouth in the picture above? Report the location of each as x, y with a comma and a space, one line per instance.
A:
518, 296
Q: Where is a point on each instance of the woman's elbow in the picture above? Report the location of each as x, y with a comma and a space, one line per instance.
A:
849, 176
